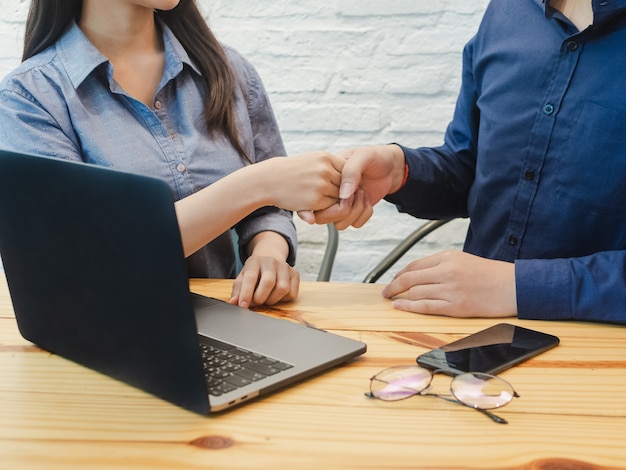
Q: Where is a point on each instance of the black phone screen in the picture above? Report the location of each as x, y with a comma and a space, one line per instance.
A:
490, 351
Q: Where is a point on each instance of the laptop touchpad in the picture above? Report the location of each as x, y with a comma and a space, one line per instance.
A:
237, 325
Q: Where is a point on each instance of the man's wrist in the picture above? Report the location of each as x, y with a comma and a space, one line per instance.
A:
400, 169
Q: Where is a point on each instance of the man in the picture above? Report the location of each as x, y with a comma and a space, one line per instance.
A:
535, 156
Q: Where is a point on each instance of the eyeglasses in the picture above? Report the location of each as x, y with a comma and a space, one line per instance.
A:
482, 392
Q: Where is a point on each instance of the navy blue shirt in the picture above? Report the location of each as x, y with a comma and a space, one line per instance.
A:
535, 156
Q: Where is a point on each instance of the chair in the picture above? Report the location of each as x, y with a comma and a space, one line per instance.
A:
387, 262
326, 265
404, 246
328, 260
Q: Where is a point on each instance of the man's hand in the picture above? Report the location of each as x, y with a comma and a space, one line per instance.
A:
378, 170
369, 174
455, 283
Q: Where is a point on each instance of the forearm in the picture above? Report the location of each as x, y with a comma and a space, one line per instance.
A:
304, 182
215, 209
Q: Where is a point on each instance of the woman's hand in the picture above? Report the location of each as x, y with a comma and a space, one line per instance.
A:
457, 284
266, 278
308, 181
369, 174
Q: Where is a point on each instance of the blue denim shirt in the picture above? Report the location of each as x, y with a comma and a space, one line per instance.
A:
536, 157
65, 103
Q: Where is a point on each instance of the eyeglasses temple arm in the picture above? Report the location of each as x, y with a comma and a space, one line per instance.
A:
488, 413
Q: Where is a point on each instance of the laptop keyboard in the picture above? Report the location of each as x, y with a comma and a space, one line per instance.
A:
228, 367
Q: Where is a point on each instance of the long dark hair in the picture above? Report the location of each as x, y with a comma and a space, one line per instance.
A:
48, 19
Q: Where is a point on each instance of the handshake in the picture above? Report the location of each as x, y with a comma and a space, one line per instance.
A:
342, 188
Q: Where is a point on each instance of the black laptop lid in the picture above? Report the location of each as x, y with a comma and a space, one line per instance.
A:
95, 267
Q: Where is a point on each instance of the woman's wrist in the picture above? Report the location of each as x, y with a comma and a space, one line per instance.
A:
269, 243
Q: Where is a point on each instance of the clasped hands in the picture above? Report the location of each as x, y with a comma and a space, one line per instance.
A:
452, 283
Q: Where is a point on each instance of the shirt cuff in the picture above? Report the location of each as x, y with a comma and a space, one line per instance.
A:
403, 192
543, 289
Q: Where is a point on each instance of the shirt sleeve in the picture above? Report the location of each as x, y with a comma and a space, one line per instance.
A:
590, 288
266, 143
430, 193
440, 177
27, 126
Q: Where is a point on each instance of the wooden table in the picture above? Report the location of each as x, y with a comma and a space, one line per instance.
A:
55, 414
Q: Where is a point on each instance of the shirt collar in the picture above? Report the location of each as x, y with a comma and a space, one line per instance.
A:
175, 55
601, 8
74, 44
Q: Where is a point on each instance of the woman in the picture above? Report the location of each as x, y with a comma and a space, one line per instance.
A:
143, 86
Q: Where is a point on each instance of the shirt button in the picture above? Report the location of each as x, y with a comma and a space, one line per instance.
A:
158, 104
572, 46
548, 109
181, 167
529, 175
513, 240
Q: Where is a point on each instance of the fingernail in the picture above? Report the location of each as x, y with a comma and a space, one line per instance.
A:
307, 216
346, 190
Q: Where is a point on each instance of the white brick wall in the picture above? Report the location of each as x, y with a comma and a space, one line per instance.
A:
341, 73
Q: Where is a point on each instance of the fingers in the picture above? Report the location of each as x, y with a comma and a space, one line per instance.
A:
360, 212
417, 273
457, 284
350, 176
329, 180
425, 306
345, 154
421, 292
286, 288
350, 170
334, 213
265, 281
307, 216
352, 212
309, 182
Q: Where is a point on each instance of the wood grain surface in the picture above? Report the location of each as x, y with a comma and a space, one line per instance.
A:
571, 415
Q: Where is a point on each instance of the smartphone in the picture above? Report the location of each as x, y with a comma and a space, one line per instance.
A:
491, 351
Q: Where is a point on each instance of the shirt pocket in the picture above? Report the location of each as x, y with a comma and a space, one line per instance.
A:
591, 173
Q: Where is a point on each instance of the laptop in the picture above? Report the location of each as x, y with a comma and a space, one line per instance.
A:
96, 272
